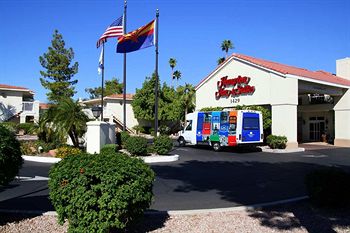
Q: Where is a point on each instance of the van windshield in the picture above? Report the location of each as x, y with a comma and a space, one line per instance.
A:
250, 123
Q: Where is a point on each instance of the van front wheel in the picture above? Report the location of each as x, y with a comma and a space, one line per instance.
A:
216, 146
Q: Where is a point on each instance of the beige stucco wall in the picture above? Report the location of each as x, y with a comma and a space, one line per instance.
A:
115, 107
343, 68
342, 120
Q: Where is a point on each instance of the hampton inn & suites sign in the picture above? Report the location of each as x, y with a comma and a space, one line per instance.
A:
234, 87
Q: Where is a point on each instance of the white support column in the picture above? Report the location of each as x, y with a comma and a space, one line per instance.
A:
95, 136
284, 123
342, 120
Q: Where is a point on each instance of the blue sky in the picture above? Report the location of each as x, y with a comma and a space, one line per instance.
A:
308, 34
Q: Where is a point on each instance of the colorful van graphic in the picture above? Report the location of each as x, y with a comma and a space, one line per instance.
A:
223, 128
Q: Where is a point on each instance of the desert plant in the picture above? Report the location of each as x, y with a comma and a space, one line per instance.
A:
100, 193
65, 151
162, 144
136, 146
329, 187
109, 149
10, 156
276, 142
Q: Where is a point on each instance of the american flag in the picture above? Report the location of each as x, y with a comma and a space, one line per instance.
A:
114, 30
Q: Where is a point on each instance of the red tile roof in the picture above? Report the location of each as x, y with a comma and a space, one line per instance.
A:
4, 86
120, 96
320, 75
44, 105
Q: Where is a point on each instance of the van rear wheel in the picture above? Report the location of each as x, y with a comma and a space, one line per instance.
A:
216, 146
181, 141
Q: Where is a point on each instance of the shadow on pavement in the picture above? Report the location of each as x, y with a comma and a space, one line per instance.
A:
303, 214
235, 183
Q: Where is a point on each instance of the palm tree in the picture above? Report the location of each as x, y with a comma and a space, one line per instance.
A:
177, 76
221, 60
70, 119
172, 63
226, 45
188, 97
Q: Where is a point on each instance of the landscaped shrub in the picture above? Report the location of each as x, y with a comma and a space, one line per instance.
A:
109, 149
28, 128
276, 142
138, 129
164, 130
100, 193
12, 126
29, 147
124, 137
10, 156
329, 187
162, 144
136, 146
65, 151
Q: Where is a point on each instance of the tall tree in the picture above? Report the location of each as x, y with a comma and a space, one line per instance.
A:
221, 60
177, 76
112, 86
58, 71
188, 98
172, 63
226, 45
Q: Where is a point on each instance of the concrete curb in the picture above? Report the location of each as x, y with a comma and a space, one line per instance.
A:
179, 212
146, 159
282, 151
41, 159
160, 158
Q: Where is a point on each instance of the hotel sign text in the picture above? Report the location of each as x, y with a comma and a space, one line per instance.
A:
234, 87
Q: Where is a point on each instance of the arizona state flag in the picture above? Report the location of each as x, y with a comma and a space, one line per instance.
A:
139, 39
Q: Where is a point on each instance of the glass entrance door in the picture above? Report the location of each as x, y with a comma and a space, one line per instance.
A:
317, 128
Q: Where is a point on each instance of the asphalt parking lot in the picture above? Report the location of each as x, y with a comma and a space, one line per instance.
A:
201, 179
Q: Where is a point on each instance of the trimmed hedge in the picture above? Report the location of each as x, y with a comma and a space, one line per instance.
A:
10, 156
100, 193
329, 187
276, 142
109, 149
162, 144
136, 146
124, 137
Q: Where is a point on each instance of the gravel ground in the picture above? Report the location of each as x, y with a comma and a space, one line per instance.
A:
300, 217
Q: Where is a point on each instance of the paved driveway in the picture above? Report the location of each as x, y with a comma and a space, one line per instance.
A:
202, 179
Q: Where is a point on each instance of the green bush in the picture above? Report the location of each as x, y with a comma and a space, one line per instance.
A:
164, 130
124, 137
109, 149
276, 142
10, 156
136, 146
28, 128
329, 187
46, 146
162, 144
100, 193
12, 126
138, 129
65, 151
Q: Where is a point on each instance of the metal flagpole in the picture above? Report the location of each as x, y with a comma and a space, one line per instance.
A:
103, 71
156, 73
124, 73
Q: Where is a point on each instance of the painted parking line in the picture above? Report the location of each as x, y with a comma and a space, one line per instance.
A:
28, 178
